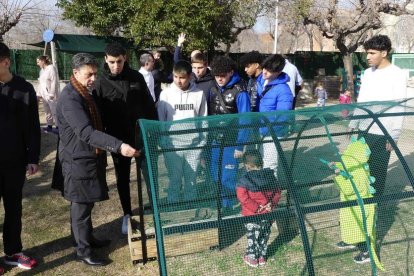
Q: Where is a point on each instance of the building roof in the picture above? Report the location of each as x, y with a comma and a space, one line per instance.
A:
84, 43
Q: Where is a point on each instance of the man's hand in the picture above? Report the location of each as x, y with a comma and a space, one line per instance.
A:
128, 151
388, 147
203, 163
32, 169
238, 154
181, 39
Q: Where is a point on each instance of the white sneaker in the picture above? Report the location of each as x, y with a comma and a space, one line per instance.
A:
125, 224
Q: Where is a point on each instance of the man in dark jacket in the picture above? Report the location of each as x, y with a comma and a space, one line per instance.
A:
251, 63
124, 98
202, 76
81, 152
19, 153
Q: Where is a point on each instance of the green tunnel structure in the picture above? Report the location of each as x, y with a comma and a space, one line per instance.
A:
320, 174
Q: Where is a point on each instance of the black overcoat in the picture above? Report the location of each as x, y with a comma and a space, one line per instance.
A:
83, 169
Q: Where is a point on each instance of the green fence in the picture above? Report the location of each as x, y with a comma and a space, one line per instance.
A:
320, 184
24, 63
308, 63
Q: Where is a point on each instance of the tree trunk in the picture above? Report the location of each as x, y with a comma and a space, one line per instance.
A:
310, 37
347, 60
227, 51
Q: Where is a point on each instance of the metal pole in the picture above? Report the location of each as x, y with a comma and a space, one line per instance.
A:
54, 54
276, 26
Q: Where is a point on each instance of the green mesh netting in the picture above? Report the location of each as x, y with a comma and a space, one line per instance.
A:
309, 180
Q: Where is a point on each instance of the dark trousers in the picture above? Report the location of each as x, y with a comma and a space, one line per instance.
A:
378, 161
123, 172
81, 222
11, 186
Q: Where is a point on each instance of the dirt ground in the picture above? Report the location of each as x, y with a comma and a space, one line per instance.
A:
46, 226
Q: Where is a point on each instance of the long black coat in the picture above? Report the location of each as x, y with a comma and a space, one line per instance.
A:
83, 170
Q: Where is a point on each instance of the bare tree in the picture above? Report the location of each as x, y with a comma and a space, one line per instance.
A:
14, 11
404, 26
245, 14
349, 23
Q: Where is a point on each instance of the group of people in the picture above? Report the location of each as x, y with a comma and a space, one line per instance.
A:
216, 88
94, 114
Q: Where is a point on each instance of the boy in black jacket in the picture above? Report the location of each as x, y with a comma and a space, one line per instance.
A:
19, 154
124, 98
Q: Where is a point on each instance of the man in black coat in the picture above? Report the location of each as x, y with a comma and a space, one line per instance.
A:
81, 152
124, 98
19, 154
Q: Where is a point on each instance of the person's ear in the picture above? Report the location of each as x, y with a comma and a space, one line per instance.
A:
7, 61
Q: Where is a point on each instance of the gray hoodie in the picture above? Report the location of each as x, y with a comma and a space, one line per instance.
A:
175, 104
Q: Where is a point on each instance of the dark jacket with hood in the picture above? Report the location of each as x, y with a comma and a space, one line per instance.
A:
235, 99
123, 99
205, 83
19, 124
257, 188
83, 169
234, 95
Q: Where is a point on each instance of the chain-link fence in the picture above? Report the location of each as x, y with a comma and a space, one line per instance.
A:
318, 191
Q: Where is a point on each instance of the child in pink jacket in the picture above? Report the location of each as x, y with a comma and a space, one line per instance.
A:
345, 98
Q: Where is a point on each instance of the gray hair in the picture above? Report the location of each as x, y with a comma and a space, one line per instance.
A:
144, 58
81, 59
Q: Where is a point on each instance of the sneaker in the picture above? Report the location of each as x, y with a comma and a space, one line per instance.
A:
1, 270
344, 245
125, 220
262, 261
249, 261
362, 257
20, 260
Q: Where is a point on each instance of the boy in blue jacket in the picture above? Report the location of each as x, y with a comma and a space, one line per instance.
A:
273, 94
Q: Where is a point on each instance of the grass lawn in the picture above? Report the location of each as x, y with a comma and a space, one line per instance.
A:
46, 234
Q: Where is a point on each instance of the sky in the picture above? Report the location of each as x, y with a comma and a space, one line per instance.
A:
261, 25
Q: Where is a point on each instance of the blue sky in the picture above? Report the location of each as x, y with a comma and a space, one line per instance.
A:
261, 25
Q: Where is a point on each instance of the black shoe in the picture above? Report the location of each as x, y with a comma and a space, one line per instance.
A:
362, 257
90, 260
95, 243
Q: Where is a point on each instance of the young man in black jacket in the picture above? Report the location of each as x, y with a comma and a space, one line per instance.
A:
251, 63
124, 98
19, 154
202, 76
